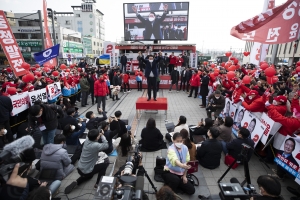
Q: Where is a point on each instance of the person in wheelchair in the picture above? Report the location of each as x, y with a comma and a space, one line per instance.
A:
175, 170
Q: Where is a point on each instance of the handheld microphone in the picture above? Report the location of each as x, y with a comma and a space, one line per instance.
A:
139, 186
20, 145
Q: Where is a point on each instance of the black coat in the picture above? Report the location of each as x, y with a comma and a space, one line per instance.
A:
95, 122
204, 86
189, 76
209, 154
68, 120
118, 125
151, 67
123, 60
5, 107
91, 82
117, 80
179, 34
175, 76
166, 60
235, 147
152, 139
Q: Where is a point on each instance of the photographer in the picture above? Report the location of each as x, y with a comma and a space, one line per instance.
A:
270, 188
94, 121
123, 171
89, 164
216, 103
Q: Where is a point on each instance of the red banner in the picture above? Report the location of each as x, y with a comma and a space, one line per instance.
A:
48, 41
274, 26
10, 46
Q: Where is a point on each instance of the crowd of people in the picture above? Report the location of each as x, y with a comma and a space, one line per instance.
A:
57, 127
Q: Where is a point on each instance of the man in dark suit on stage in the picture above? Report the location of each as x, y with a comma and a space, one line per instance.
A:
151, 73
152, 24
178, 33
127, 34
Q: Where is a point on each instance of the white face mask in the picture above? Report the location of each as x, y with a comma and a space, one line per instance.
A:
236, 85
39, 83
178, 145
217, 97
72, 127
151, 19
4, 132
175, 68
12, 82
250, 97
38, 116
275, 103
151, 61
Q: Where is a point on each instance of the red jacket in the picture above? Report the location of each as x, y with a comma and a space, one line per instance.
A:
289, 124
295, 104
173, 60
179, 62
138, 73
257, 105
126, 78
281, 109
8, 84
100, 88
195, 80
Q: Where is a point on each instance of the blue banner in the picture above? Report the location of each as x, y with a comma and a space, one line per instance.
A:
46, 55
287, 168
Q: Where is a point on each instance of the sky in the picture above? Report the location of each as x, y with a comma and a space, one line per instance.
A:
210, 21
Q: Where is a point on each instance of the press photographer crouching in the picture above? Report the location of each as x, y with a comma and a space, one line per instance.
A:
130, 181
175, 170
216, 103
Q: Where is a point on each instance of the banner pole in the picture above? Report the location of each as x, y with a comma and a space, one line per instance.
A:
42, 29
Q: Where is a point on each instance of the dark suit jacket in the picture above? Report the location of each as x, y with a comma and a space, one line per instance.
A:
155, 28
68, 120
204, 86
289, 158
179, 34
151, 67
166, 60
123, 60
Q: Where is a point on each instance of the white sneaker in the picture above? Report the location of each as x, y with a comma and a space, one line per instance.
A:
129, 91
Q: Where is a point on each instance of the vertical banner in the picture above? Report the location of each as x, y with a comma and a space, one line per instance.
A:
54, 90
110, 48
288, 157
10, 46
38, 95
193, 60
20, 102
269, 123
48, 41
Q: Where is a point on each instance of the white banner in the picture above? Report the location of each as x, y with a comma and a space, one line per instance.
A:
54, 90
110, 48
269, 123
256, 56
38, 95
20, 102
193, 60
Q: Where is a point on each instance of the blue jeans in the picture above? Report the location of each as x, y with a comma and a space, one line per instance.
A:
54, 186
48, 136
224, 147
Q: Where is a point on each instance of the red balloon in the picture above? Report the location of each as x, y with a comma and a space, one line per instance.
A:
246, 79
270, 72
212, 75
33, 69
237, 66
204, 63
9, 70
232, 68
264, 66
232, 58
212, 65
37, 66
79, 69
55, 73
11, 90
298, 63
223, 64
30, 77
228, 54
272, 80
230, 75
236, 61
63, 66
216, 72
298, 69
38, 74
24, 79
246, 53
25, 66
46, 69
67, 70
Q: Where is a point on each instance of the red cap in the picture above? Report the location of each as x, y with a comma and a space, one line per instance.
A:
253, 92
281, 99
255, 87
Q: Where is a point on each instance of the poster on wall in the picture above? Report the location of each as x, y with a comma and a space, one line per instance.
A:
54, 90
288, 156
20, 103
38, 95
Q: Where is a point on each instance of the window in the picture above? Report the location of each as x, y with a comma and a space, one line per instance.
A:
21, 35
28, 23
79, 27
93, 51
100, 44
97, 43
77, 15
35, 36
68, 22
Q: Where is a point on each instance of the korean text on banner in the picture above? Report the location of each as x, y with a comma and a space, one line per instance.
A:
20, 102
48, 41
10, 47
54, 90
38, 95
288, 157
46, 55
109, 48
274, 26
269, 123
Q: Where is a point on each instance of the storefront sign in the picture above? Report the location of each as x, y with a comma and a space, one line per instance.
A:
73, 45
29, 30
27, 43
192, 48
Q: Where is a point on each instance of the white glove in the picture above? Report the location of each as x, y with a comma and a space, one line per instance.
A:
267, 103
241, 98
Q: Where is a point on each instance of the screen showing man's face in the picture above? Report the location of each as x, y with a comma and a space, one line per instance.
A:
289, 147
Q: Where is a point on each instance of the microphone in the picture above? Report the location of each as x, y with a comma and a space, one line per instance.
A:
19, 145
139, 186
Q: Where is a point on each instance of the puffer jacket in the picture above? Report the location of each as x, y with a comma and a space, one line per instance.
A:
56, 157
100, 88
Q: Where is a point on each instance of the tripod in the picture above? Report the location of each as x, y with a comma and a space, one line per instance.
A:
151, 183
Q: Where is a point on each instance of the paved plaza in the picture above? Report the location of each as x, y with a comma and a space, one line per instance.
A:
178, 104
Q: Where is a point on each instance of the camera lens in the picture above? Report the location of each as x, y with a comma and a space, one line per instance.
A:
128, 168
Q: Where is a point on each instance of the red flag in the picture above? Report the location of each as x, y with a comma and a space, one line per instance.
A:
10, 46
275, 26
48, 41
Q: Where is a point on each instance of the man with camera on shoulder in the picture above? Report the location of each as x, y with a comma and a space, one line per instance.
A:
216, 103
